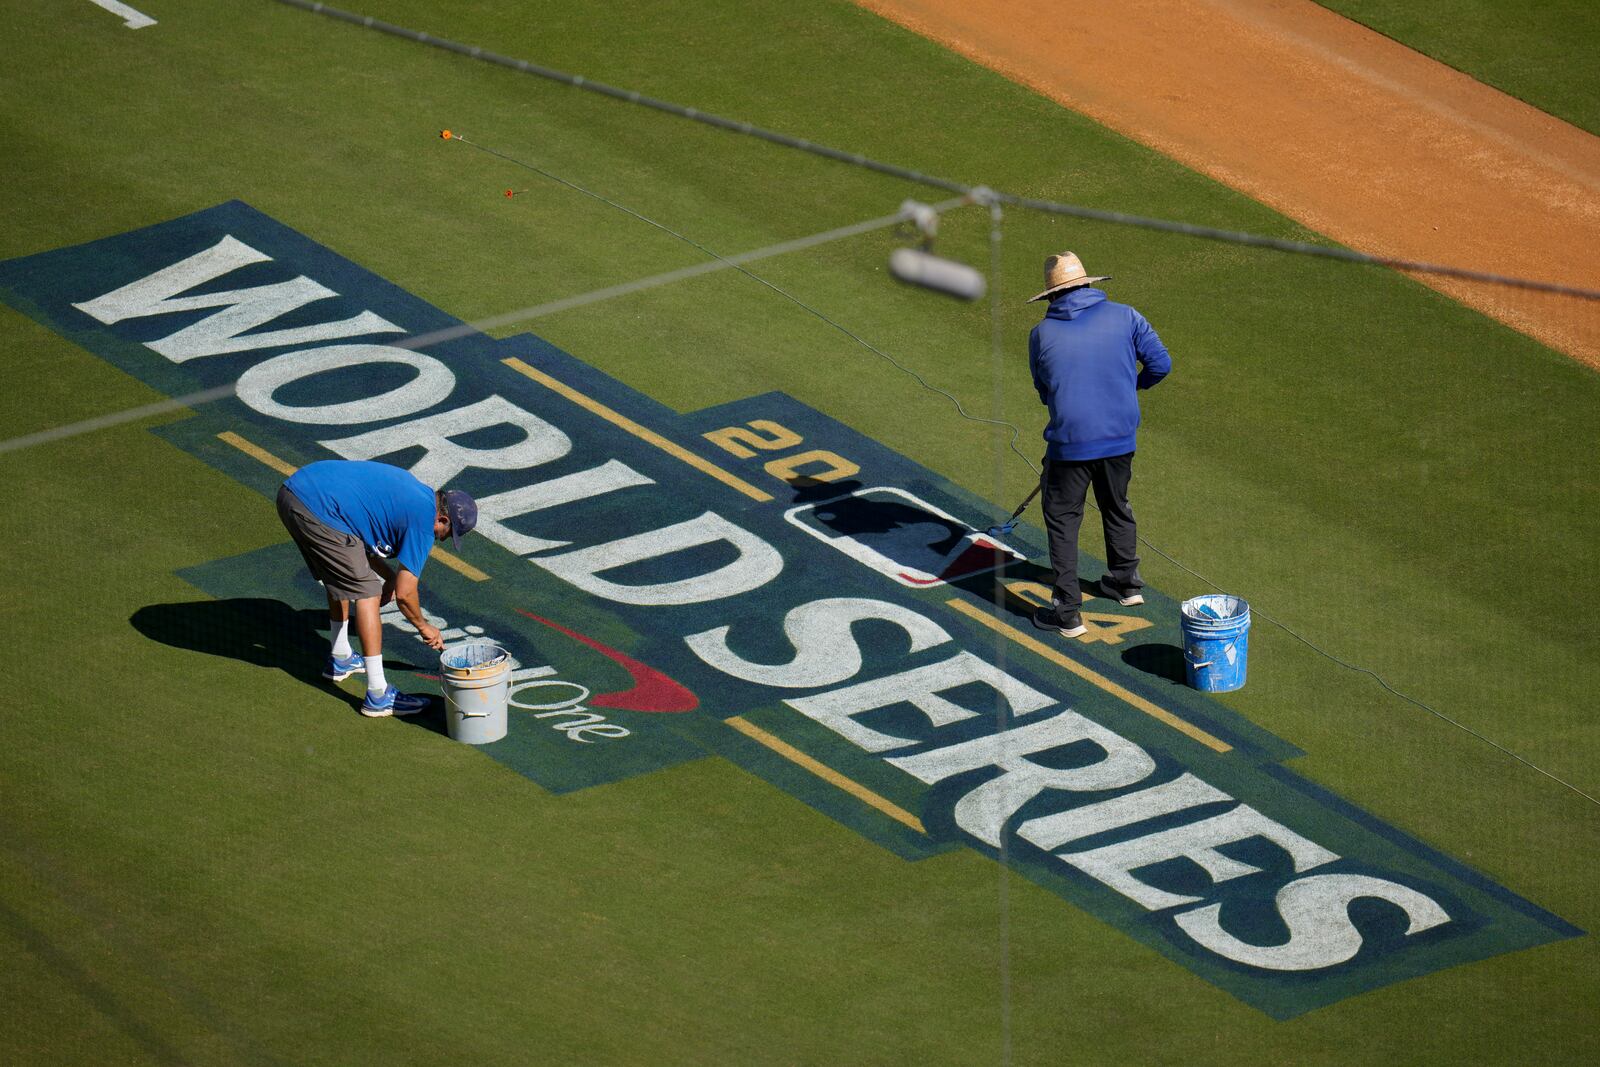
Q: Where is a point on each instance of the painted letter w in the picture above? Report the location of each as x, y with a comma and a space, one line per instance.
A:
243, 309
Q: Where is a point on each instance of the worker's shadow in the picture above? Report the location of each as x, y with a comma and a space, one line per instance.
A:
266, 633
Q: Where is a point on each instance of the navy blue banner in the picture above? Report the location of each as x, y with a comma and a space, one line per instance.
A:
759, 583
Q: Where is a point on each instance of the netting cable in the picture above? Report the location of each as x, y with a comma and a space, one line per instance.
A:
857, 159
1001, 651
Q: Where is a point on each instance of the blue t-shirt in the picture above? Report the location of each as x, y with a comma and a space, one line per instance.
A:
385, 506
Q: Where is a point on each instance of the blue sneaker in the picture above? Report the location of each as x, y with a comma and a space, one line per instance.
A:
341, 667
391, 702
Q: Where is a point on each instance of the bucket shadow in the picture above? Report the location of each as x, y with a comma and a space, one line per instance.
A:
254, 630
431, 718
1160, 659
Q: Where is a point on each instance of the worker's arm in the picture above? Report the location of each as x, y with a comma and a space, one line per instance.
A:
1033, 366
405, 595
1154, 363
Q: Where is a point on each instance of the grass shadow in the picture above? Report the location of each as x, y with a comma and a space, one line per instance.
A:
254, 630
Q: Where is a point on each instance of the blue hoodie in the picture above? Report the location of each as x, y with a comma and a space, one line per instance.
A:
1089, 356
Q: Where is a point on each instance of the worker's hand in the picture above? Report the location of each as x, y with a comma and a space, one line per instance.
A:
430, 634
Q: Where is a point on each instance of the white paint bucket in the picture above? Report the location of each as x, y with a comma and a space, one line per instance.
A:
475, 679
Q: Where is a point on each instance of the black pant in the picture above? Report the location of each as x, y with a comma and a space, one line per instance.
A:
1065, 484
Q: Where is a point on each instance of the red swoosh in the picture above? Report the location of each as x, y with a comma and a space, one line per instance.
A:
651, 690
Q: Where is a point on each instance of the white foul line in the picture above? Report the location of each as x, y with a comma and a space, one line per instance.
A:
132, 19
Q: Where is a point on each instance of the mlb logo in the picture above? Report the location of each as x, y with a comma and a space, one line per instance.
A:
902, 536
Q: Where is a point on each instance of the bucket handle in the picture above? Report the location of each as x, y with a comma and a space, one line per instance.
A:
463, 712
1189, 655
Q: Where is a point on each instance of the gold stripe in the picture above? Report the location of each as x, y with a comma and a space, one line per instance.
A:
1088, 675
644, 433
826, 773
457, 564
255, 451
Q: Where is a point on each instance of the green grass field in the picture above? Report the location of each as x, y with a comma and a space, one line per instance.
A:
1536, 52
207, 861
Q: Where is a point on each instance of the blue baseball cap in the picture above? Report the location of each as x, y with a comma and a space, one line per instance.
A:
462, 511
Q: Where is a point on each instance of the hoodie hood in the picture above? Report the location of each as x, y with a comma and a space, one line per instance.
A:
1073, 302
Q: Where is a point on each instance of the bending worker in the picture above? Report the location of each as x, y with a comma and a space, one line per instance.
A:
348, 517
1089, 358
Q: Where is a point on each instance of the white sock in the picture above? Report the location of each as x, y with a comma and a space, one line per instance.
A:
341, 639
375, 679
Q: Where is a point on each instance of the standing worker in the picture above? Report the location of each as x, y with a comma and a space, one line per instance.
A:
1089, 357
347, 517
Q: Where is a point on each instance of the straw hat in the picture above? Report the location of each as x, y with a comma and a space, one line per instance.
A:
1065, 272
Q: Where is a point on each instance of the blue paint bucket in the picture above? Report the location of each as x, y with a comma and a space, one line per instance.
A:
1216, 641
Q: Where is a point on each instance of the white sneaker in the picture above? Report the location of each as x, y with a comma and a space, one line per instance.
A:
1131, 600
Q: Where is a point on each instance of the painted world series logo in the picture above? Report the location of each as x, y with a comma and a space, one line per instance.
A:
759, 583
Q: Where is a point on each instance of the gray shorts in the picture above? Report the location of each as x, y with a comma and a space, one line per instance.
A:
337, 560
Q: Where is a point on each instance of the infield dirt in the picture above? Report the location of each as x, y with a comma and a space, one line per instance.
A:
1334, 125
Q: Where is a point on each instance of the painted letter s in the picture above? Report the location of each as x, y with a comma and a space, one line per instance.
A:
1316, 910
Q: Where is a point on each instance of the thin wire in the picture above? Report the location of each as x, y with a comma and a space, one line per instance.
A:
1278, 244
578, 81
857, 159
117, 418
994, 204
997, 399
